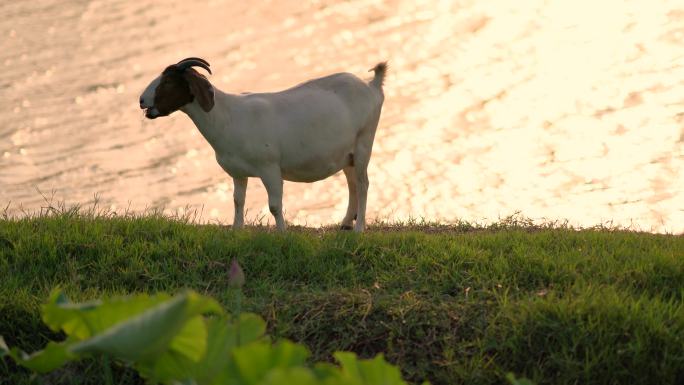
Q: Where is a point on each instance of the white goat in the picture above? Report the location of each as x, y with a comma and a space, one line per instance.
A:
303, 134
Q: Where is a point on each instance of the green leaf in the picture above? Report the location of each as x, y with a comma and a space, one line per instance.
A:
287, 354
169, 341
84, 320
52, 357
212, 368
367, 372
59, 314
252, 327
222, 339
252, 362
172, 365
296, 375
169, 367
324, 370
191, 341
145, 336
350, 364
107, 327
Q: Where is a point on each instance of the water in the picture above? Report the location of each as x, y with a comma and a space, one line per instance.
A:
555, 109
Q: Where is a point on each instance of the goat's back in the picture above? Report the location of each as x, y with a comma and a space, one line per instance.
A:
344, 90
313, 127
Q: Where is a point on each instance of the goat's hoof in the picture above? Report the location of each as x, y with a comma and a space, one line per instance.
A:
346, 227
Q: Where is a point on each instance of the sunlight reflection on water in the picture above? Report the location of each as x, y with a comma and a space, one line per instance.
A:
556, 109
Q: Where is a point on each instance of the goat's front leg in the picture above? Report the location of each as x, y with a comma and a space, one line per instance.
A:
273, 181
239, 191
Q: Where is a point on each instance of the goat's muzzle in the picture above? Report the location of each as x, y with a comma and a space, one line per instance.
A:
152, 113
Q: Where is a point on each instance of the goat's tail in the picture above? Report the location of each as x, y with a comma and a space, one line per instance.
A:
380, 71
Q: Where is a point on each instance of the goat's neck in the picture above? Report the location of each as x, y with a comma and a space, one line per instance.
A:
212, 125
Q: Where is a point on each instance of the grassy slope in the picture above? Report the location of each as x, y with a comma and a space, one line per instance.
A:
453, 305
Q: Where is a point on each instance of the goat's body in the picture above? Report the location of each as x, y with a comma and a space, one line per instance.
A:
309, 131
302, 134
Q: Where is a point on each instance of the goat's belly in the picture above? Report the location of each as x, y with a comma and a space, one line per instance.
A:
299, 176
315, 170
318, 156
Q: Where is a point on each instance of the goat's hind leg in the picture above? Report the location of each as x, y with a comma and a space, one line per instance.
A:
361, 158
362, 155
348, 221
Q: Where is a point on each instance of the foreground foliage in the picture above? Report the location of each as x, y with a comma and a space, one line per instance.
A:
460, 304
168, 340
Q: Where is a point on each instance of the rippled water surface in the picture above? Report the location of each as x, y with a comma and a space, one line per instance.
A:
556, 109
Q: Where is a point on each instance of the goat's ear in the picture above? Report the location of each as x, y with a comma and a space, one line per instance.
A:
200, 88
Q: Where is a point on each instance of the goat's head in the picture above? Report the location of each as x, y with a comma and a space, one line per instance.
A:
177, 86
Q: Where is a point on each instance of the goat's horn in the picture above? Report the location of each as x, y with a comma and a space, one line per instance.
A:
191, 62
194, 58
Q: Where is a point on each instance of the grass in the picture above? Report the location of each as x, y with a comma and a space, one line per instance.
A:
454, 304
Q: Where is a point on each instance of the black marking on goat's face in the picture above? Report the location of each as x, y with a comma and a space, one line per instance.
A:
172, 93
175, 88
